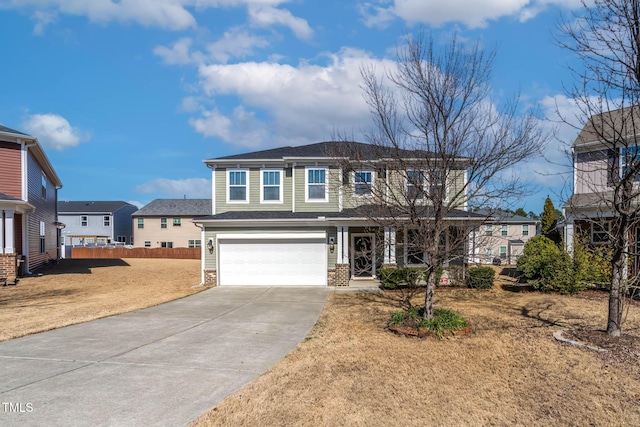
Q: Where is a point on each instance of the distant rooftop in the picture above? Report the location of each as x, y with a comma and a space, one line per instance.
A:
176, 207
67, 207
9, 130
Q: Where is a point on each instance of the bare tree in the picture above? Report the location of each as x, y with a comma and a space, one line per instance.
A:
605, 36
445, 146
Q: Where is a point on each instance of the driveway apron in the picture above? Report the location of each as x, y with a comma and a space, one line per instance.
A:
162, 366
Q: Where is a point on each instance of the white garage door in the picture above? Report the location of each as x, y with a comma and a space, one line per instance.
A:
272, 262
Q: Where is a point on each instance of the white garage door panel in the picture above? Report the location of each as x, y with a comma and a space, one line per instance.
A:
286, 262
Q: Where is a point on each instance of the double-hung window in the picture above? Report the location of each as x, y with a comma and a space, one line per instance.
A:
163, 222
630, 157
106, 221
488, 230
140, 223
600, 232
177, 222
503, 252
238, 185
437, 186
362, 181
505, 230
525, 229
271, 182
415, 185
84, 221
316, 185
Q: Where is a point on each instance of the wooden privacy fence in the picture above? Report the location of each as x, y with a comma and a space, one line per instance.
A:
119, 252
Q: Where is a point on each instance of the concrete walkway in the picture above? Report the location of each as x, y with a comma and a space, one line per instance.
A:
162, 366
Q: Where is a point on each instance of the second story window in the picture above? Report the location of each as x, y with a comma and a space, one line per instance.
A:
140, 222
44, 187
237, 188
84, 221
163, 222
316, 185
488, 230
415, 185
630, 156
177, 222
106, 221
505, 230
271, 181
362, 181
525, 229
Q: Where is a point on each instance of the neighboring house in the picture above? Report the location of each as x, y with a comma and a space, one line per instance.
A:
28, 196
596, 164
96, 222
502, 237
281, 217
167, 223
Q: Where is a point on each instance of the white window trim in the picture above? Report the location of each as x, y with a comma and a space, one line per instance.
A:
84, 220
247, 180
426, 186
281, 185
371, 184
488, 230
503, 228
501, 253
527, 229
407, 184
306, 184
106, 221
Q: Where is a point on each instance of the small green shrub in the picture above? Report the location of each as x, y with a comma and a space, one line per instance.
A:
443, 320
481, 277
397, 318
391, 278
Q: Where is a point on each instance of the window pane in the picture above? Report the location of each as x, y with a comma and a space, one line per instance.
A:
237, 178
271, 178
237, 193
271, 193
316, 176
316, 191
362, 189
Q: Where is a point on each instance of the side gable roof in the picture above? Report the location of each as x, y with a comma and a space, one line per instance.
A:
78, 207
610, 126
176, 207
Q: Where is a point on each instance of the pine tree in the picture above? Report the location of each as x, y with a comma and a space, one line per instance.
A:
549, 222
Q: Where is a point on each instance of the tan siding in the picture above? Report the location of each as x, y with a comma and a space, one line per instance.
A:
591, 172
11, 169
153, 232
45, 211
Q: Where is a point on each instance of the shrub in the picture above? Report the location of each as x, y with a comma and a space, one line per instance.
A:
550, 268
391, 278
481, 277
443, 320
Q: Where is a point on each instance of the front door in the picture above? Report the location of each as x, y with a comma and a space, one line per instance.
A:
363, 259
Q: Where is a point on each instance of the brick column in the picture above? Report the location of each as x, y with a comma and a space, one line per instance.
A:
210, 278
8, 265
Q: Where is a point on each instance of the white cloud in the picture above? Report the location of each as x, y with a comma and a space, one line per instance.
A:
179, 53
285, 103
473, 14
192, 188
235, 43
54, 131
267, 16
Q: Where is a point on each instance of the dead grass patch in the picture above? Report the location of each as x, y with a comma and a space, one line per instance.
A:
78, 290
508, 371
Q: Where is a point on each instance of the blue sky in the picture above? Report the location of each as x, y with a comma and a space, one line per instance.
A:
129, 96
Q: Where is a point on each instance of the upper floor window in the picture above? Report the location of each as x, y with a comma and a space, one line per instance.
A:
316, 185
238, 187
271, 183
44, 187
600, 232
362, 181
505, 230
140, 222
630, 157
163, 222
106, 221
488, 230
525, 229
177, 222
84, 221
415, 185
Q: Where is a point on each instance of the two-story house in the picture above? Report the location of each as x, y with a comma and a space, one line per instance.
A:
602, 153
28, 196
96, 222
168, 223
502, 237
290, 216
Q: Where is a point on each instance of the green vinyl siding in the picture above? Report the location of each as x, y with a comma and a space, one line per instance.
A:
332, 205
254, 204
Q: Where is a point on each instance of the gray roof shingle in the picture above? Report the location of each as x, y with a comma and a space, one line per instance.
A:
176, 207
7, 197
9, 130
66, 207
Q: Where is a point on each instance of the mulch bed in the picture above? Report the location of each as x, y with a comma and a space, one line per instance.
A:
412, 331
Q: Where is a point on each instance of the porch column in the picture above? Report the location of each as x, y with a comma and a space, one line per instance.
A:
345, 245
1, 232
339, 242
389, 245
8, 233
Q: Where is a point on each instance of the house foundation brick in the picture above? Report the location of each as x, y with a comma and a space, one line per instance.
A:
340, 275
8, 265
210, 278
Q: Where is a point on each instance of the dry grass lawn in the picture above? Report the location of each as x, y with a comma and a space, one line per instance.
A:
509, 371
78, 290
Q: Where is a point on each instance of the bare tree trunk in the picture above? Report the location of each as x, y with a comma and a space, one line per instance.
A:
618, 278
429, 294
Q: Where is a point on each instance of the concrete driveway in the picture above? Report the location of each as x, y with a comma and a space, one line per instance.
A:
164, 365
